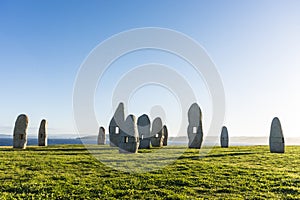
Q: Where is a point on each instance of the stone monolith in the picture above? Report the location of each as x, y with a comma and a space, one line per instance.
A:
166, 135
157, 134
194, 130
224, 139
43, 134
20, 132
115, 126
129, 136
101, 136
276, 140
143, 125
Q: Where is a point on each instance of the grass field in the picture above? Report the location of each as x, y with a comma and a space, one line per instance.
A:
71, 172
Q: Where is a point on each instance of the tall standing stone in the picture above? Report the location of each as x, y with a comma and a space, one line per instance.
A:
20, 132
129, 136
101, 136
276, 140
115, 126
143, 125
224, 139
157, 134
194, 130
43, 135
166, 135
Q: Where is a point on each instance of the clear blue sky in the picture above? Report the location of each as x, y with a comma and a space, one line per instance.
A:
255, 45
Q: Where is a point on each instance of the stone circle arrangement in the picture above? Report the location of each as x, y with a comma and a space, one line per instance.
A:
130, 134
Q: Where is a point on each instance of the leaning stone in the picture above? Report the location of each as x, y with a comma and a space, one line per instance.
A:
276, 139
20, 132
194, 130
166, 135
101, 136
43, 135
224, 137
157, 134
143, 125
129, 137
115, 126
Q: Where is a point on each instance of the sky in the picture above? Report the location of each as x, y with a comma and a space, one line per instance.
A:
254, 44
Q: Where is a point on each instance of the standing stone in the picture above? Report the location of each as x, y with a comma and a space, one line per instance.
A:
166, 135
224, 137
115, 126
143, 125
20, 132
101, 136
157, 134
42, 135
194, 130
129, 136
276, 139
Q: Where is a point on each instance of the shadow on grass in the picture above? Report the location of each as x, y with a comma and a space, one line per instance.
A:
215, 155
70, 149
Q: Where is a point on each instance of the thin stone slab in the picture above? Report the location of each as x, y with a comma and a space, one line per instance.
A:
224, 139
143, 125
43, 134
157, 134
166, 135
194, 130
129, 136
101, 136
276, 140
115, 126
20, 132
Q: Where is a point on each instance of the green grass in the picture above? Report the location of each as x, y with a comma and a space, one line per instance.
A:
72, 172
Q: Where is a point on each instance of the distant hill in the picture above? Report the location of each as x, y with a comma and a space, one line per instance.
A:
90, 137
5, 136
